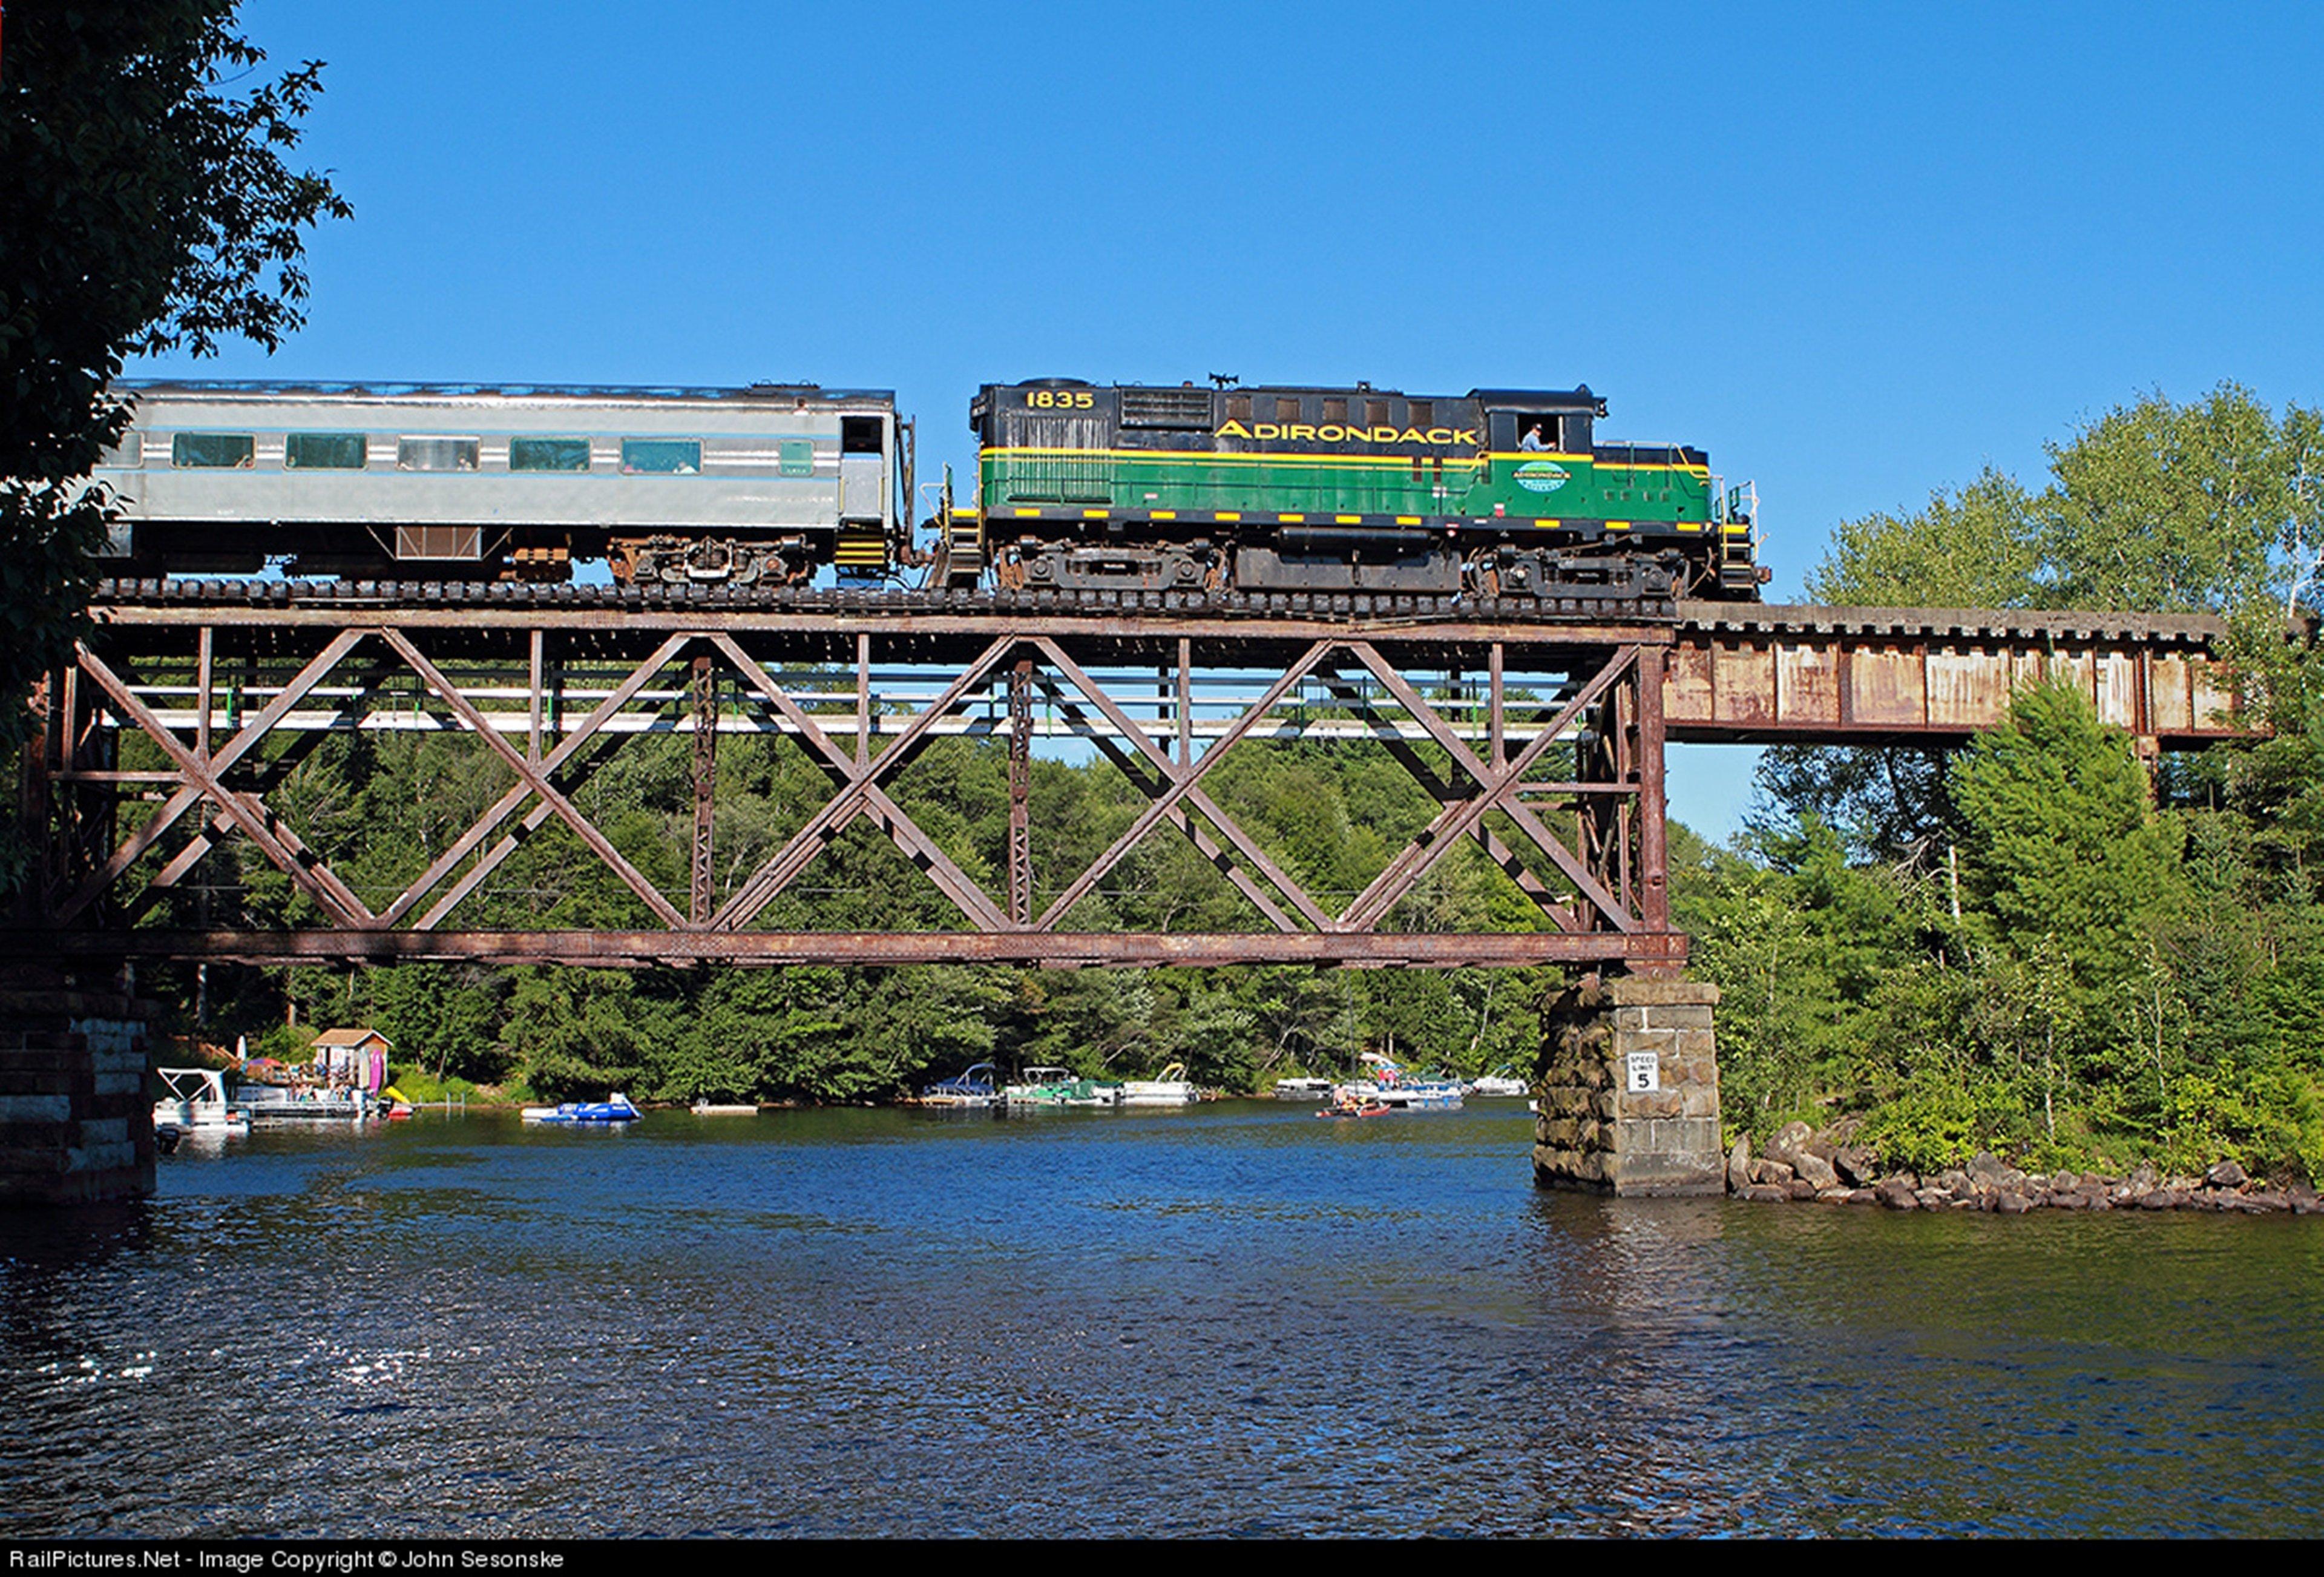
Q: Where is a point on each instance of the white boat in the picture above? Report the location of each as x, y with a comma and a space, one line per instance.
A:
1389, 1084
1172, 1089
309, 1103
1303, 1089
727, 1109
196, 1103
1499, 1084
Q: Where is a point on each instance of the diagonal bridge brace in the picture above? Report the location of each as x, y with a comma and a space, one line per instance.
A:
858, 793
1498, 787
1551, 903
536, 779
581, 736
251, 816
1169, 772
1183, 782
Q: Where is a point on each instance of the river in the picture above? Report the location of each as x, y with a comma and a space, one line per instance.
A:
1236, 1320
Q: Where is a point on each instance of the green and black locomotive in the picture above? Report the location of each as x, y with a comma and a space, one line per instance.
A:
1500, 492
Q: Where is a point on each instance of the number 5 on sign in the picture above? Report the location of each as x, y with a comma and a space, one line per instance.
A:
1645, 1071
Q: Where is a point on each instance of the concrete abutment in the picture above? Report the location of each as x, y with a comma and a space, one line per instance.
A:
1627, 1089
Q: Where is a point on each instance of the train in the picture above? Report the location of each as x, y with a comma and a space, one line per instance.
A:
1079, 487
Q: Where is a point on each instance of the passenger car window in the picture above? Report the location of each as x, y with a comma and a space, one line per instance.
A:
436, 454
662, 457
212, 451
324, 451
548, 454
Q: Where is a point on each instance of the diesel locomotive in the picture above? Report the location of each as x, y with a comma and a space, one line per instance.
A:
1081, 487
1501, 493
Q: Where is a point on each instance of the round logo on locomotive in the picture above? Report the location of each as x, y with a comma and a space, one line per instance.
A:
1541, 476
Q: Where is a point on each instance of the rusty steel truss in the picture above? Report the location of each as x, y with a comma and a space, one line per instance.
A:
1540, 745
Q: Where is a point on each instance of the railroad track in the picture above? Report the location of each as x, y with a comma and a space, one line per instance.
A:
390, 595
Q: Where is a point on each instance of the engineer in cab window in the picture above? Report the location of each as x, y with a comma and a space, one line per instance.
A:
1532, 438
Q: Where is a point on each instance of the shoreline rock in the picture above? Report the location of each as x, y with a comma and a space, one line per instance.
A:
1830, 1168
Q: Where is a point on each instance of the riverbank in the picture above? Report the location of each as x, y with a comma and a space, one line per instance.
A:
1804, 1165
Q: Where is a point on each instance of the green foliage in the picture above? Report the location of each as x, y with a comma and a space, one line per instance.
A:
1938, 1120
1976, 548
2061, 845
2061, 967
145, 205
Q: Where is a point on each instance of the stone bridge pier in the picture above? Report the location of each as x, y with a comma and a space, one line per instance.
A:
76, 1123
1627, 1089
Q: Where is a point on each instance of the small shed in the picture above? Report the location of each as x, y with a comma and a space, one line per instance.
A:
353, 1058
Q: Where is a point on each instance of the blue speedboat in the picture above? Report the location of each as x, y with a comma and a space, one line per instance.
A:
617, 1109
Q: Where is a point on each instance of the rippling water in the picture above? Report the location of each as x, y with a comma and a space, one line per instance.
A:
1235, 1319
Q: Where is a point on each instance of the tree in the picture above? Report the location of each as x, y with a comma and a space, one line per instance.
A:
1977, 547
145, 205
2181, 508
2212, 506
2063, 852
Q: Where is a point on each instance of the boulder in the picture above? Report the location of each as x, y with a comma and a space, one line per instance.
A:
1739, 1166
1858, 1165
1789, 1140
1814, 1168
1989, 1171
2226, 1175
1764, 1194
1771, 1172
1896, 1194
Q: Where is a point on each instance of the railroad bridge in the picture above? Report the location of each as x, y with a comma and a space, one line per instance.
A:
1537, 729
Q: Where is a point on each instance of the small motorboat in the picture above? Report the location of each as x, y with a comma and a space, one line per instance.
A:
1172, 1089
971, 1091
1499, 1084
196, 1103
616, 1110
1302, 1089
706, 1107
1053, 1087
1353, 1105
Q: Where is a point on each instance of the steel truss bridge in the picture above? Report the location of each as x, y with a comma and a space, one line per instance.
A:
1538, 732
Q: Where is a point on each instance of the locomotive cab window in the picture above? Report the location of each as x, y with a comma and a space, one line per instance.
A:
860, 435
661, 456
436, 454
213, 451
527, 454
324, 451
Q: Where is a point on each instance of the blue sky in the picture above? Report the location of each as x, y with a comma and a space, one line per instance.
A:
1857, 252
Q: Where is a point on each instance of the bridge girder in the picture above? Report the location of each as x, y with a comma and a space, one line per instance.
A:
224, 696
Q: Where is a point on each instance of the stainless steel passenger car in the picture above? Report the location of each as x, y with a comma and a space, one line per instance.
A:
745, 485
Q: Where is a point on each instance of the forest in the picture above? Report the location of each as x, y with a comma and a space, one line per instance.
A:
2035, 944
